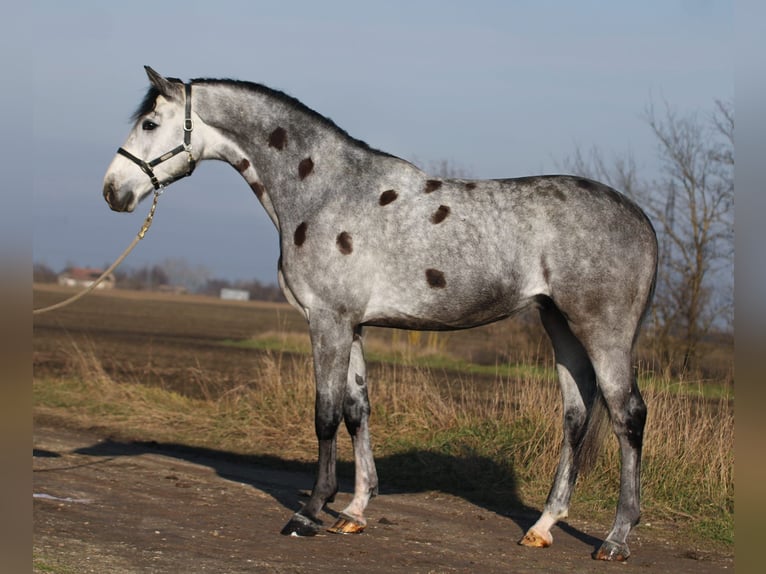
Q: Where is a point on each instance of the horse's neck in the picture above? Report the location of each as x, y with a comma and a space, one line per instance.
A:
295, 162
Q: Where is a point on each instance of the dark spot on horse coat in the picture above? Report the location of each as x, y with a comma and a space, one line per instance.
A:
258, 189
585, 183
432, 185
344, 242
435, 278
300, 234
440, 214
388, 196
278, 139
305, 167
470, 185
242, 165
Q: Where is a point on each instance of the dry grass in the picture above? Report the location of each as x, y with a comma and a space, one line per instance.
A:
488, 437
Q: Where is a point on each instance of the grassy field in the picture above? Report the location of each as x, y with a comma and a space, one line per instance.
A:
476, 413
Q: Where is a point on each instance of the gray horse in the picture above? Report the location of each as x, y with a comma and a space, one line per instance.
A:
367, 238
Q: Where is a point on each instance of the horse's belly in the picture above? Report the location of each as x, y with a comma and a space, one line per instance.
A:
419, 323
444, 310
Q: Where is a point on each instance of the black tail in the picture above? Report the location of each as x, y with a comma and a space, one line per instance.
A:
595, 431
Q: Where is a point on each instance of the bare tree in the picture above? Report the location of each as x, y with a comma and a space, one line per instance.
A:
147, 277
443, 168
448, 168
182, 273
691, 204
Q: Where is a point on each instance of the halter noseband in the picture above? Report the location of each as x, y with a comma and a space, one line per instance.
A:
146, 167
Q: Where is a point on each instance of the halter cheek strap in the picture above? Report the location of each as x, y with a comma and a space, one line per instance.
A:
147, 167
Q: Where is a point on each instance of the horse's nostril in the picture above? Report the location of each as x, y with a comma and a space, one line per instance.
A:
109, 193
112, 197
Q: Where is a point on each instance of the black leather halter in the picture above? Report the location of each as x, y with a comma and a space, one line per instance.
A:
146, 167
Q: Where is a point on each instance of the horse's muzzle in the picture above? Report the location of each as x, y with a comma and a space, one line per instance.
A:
112, 197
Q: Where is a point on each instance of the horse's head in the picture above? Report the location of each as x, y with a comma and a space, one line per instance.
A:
158, 149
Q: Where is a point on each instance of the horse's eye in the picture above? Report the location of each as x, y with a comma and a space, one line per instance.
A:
148, 125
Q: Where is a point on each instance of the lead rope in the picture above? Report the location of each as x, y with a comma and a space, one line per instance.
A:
144, 228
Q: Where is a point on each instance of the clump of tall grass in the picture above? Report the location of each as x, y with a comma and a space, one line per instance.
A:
689, 459
485, 435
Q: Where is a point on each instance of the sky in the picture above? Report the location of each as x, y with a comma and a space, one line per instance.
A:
497, 88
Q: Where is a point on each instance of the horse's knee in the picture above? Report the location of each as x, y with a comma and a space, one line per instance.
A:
326, 421
356, 407
574, 424
354, 414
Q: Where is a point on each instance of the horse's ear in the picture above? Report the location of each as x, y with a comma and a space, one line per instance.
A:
167, 88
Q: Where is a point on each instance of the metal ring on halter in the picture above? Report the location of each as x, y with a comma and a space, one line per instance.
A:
146, 167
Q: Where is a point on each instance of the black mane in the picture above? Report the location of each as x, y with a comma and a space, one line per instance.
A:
147, 105
291, 102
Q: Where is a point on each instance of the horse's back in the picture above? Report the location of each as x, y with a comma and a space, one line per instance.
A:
469, 252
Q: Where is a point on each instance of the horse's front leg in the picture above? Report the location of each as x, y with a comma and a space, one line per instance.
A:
331, 339
356, 414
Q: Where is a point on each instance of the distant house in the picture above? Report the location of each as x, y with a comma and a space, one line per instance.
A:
84, 277
235, 294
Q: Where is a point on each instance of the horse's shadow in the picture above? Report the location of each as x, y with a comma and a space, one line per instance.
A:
287, 481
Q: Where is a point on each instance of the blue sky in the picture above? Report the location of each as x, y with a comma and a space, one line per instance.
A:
499, 88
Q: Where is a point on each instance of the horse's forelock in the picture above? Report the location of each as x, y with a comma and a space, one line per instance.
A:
149, 101
147, 104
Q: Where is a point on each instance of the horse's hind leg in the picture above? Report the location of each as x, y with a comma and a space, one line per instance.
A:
356, 414
331, 341
628, 413
578, 388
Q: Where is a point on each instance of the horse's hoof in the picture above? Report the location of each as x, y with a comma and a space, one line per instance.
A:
612, 551
536, 540
346, 525
300, 525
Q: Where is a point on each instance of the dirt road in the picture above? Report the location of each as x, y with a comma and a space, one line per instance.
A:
104, 505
